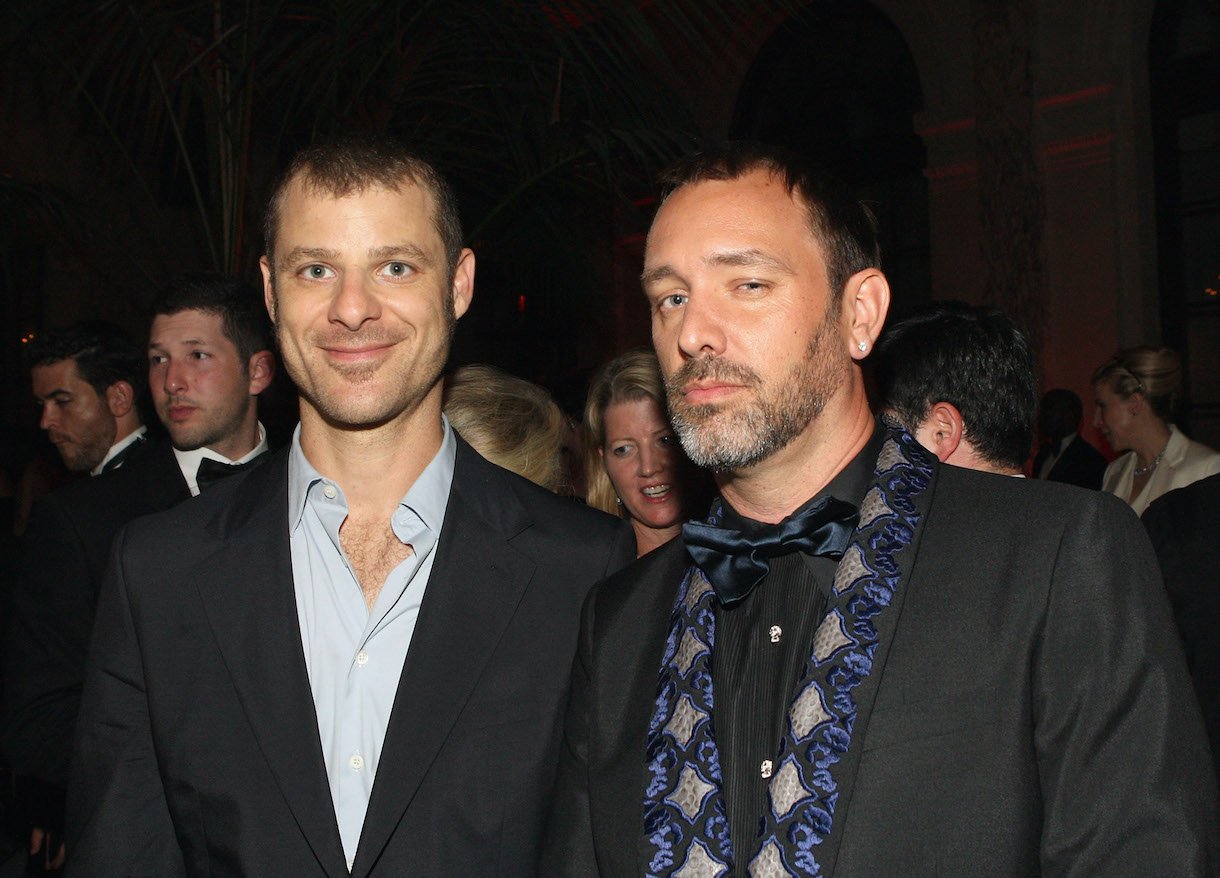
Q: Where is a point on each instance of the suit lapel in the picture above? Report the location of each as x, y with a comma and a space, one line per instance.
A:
911, 503
251, 607
476, 583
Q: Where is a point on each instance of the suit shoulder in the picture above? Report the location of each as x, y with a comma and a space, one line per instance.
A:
647, 582
485, 485
1032, 505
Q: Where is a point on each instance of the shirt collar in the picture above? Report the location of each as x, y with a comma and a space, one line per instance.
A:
428, 497
134, 436
188, 461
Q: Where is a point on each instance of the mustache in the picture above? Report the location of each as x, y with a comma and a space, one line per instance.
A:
709, 369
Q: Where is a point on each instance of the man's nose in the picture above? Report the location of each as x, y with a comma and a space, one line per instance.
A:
701, 332
354, 303
175, 378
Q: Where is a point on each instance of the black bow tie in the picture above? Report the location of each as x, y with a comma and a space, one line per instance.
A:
212, 471
735, 562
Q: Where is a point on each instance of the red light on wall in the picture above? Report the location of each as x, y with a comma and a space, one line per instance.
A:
520, 304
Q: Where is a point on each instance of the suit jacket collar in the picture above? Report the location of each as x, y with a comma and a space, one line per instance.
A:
477, 580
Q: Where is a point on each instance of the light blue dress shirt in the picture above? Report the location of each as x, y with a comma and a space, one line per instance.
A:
354, 656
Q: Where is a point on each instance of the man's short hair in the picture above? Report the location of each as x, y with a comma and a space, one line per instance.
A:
974, 358
103, 354
355, 163
843, 226
239, 305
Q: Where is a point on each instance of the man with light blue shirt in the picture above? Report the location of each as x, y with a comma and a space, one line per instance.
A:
355, 658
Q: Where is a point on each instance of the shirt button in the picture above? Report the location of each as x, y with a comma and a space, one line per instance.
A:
362, 658
356, 762
765, 770
776, 633
329, 492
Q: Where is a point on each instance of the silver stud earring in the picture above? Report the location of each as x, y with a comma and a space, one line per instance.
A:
862, 345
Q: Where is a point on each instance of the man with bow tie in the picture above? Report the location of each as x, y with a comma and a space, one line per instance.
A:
862, 662
209, 359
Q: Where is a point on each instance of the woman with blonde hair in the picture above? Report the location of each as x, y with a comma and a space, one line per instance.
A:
512, 422
635, 466
1136, 393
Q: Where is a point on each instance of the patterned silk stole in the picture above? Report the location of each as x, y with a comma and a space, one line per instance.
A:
686, 830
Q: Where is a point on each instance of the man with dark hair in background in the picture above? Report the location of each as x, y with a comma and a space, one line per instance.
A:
208, 360
863, 662
961, 380
88, 379
1065, 456
355, 658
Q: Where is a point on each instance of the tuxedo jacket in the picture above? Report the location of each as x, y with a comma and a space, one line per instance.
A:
1028, 711
1183, 525
64, 556
198, 749
1185, 461
1080, 464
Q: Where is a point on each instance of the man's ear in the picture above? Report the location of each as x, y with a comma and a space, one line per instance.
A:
942, 430
268, 293
261, 369
463, 282
866, 301
120, 398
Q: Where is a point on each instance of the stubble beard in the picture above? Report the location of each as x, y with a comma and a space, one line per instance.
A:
725, 439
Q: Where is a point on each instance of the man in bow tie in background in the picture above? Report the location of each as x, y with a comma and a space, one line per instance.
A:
863, 663
208, 361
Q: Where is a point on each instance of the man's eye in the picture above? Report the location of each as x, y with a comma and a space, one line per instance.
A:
674, 300
317, 272
397, 269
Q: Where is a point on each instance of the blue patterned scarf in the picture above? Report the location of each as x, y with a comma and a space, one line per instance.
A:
686, 829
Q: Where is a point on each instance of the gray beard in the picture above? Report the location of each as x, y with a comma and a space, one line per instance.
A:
735, 438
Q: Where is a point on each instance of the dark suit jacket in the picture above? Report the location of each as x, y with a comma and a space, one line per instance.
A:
198, 749
1184, 525
65, 552
1080, 464
1028, 710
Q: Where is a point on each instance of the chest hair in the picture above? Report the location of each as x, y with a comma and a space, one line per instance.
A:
373, 551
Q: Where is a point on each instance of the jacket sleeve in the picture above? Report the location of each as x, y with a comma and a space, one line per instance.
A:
568, 846
118, 820
53, 605
1122, 759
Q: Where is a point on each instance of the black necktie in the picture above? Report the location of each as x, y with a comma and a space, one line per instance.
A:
735, 562
212, 471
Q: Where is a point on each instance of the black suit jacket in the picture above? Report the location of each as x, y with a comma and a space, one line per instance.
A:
1028, 711
198, 749
1080, 464
1184, 525
65, 552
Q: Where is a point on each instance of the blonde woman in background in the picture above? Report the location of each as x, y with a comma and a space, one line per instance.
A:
1136, 393
512, 422
635, 466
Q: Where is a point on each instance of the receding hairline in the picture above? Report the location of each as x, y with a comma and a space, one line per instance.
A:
310, 183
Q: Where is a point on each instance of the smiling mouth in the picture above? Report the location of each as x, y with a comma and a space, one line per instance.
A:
656, 491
